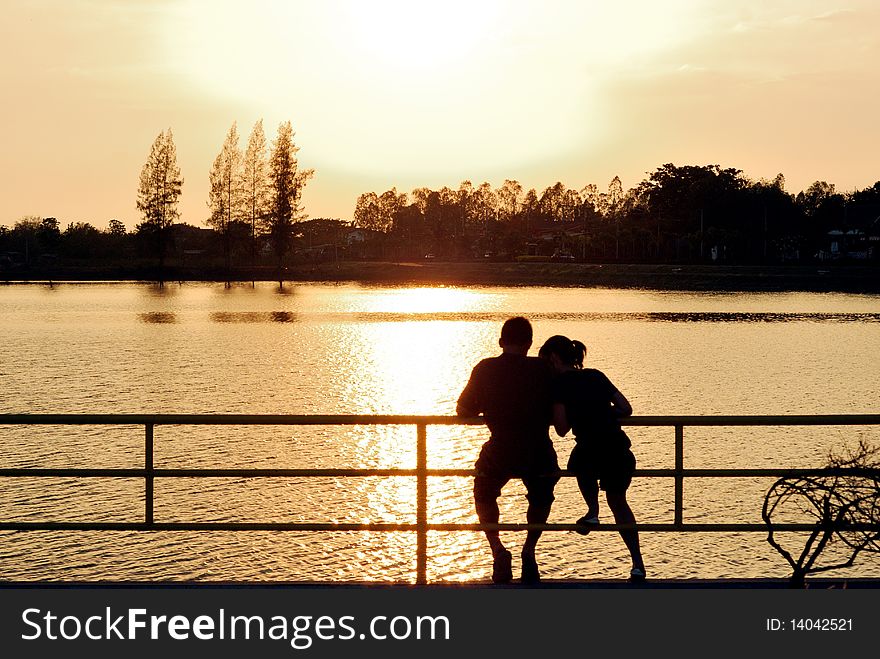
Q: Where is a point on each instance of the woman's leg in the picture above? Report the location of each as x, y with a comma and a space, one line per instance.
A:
623, 514
587, 479
589, 488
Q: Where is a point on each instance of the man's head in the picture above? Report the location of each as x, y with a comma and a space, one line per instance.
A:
516, 335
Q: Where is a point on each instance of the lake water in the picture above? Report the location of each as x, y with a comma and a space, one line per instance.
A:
349, 349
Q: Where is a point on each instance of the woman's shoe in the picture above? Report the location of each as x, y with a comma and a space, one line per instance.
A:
586, 524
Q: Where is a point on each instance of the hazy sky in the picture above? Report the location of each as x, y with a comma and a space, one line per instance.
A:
404, 93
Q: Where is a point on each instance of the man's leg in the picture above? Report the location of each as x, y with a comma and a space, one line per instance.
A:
538, 512
487, 489
540, 496
486, 492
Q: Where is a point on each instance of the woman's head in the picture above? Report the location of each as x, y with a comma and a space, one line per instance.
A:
567, 353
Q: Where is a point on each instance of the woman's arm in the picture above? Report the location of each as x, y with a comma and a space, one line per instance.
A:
620, 404
560, 420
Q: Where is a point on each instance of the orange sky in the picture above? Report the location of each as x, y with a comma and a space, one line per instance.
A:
394, 93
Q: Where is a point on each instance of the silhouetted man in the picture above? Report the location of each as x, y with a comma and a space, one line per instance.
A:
512, 391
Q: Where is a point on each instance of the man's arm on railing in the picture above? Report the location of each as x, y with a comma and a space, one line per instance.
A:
469, 402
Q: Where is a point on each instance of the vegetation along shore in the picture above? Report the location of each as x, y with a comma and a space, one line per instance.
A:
836, 278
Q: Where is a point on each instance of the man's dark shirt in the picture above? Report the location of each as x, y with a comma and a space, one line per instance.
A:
514, 394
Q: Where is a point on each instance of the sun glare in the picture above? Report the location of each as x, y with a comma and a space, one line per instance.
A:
402, 34
245, 50
422, 91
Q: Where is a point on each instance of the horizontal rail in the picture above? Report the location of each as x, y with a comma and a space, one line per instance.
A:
756, 420
409, 527
203, 473
30, 472
397, 419
237, 419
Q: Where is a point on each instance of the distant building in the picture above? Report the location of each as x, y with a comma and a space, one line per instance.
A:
360, 236
853, 244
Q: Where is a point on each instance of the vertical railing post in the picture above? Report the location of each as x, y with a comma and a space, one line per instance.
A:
679, 477
148, 475
421, 504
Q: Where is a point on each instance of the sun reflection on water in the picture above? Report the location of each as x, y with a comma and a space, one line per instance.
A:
419, 368
428, 300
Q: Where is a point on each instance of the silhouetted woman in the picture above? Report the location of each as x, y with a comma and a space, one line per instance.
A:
587, 403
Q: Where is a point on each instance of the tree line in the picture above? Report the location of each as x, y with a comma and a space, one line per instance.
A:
678, 213
687, 213
255, 190
255, 195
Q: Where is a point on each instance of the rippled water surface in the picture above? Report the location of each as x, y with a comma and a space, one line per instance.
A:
329, 349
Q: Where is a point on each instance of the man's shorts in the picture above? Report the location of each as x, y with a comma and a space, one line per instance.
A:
538, 472
613, 469
539, 488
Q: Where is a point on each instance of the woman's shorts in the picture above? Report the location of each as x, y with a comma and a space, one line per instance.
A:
613, 469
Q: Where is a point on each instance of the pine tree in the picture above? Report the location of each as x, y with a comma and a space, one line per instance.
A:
287, 183
255, 182
225, 195
159, 191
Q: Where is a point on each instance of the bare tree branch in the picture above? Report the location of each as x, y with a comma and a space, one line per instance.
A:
844, 501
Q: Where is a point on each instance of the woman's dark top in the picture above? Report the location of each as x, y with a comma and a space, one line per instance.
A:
587, 394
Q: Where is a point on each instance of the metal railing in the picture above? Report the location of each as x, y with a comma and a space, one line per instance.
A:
421, 472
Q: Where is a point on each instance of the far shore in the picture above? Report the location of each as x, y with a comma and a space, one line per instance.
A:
746, 278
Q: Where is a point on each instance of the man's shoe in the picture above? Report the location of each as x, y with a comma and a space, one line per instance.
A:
502, 570
530, 574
